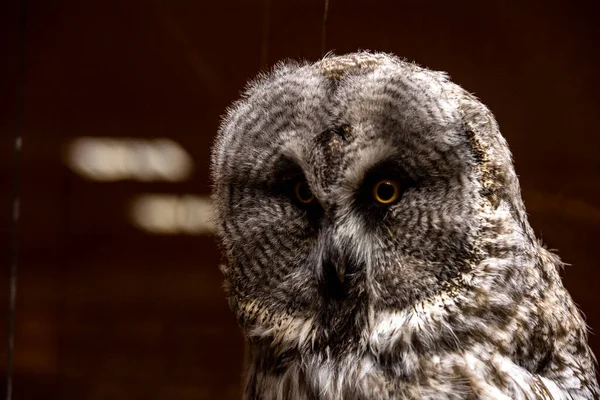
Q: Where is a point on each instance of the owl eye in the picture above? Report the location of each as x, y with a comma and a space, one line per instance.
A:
386, 191
303, 193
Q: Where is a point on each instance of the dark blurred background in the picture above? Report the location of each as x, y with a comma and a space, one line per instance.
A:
119, 294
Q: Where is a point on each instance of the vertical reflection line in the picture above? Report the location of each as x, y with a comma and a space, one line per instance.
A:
264, 47
324, 28
18, 144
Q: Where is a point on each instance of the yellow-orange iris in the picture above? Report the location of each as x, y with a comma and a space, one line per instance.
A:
386, 191
303, 193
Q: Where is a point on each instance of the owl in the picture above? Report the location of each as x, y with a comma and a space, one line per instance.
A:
377, 246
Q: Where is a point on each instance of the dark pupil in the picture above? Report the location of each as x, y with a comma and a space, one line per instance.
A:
385, 191
304, 192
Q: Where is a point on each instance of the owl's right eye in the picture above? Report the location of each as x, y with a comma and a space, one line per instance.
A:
303, 193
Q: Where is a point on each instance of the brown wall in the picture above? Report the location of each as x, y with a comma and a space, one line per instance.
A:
107, 311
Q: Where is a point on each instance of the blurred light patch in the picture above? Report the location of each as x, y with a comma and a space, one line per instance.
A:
165, 214
115, 159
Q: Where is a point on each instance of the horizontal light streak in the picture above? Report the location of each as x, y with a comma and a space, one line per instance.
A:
168, 214
113, 159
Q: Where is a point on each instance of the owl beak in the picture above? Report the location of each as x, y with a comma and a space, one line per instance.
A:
333, 263
340, 270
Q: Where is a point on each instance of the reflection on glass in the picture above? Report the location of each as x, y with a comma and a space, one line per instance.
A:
114, 159
166, 214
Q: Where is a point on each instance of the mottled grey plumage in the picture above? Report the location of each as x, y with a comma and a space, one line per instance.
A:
443, 294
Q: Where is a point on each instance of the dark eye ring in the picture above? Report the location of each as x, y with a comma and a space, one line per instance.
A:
386, 191
303, 193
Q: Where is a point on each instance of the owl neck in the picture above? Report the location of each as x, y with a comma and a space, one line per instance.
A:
296, 357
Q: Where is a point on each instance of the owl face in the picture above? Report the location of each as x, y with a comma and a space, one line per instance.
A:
350, 186
377, 244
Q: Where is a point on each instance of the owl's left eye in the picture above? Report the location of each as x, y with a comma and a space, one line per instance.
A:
386, 191
303, 193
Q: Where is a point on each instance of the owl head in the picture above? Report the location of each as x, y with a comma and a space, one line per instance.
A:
356, 184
